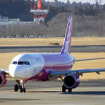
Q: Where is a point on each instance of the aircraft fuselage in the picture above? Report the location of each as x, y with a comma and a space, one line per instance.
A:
38, 66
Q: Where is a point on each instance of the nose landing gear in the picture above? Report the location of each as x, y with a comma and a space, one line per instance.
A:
22, 89
20, 85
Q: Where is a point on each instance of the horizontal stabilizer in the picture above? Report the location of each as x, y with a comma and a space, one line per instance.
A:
88, 59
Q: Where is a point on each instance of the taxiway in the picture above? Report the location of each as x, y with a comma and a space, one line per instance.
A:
49, 93
85, 48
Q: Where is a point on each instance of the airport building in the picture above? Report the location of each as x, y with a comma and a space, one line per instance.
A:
6, 20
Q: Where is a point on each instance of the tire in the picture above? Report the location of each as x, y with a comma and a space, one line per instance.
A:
16, 88
21, 90
69, 90
24, 90
63, 88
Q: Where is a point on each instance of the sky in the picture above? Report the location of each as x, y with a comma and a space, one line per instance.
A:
83, 1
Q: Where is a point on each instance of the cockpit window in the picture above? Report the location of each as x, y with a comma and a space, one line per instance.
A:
21, 63
14, 62
27, 63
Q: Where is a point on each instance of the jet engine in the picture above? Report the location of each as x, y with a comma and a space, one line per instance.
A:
71, 81
3, 79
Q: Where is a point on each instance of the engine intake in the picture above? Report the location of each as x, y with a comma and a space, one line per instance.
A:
71, 81
3, 79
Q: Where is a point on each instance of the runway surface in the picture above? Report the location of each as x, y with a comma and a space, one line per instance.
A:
49, 93
86, 48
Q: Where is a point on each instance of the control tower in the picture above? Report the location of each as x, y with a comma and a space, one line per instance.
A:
38, 11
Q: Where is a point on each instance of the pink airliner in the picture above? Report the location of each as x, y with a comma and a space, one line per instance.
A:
43, 67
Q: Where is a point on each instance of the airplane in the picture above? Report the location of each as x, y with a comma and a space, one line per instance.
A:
45, 66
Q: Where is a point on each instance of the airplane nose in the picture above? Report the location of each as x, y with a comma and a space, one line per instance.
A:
16, 71
12, 70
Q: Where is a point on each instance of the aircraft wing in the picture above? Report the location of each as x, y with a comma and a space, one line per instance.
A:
4, 70
77, 72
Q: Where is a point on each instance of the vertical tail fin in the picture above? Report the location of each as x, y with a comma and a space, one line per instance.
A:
67, 43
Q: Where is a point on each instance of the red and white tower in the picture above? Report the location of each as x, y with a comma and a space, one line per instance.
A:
39, 13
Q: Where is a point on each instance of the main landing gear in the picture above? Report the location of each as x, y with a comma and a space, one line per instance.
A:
20, 85
64, 89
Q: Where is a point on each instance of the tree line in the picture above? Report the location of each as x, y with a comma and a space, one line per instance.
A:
89, 20
21, 9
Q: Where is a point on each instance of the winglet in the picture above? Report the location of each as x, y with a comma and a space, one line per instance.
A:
67, 43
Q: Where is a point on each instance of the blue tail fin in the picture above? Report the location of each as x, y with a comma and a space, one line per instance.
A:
67, 43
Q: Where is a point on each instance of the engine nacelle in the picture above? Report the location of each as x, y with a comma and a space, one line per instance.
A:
71, 81
3, 79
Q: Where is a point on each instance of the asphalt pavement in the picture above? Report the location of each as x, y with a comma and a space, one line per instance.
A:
90, 92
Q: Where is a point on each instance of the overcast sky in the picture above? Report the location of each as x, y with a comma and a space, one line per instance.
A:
83, 1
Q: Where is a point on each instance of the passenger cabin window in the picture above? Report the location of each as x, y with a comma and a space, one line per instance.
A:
21, 63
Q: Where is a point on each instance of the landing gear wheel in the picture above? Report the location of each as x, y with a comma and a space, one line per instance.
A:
63, 88
69, 90
22, 89
20, 85
16, 87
